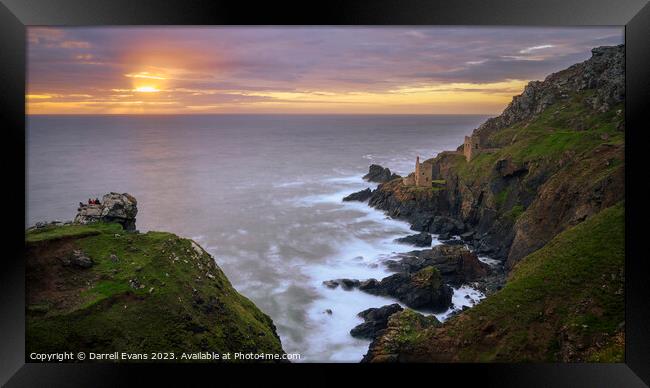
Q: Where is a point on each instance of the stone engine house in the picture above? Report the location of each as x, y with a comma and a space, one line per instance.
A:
422, 176
471, 147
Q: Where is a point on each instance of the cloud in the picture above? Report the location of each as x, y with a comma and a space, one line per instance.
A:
74, 44
245, 66
145, 75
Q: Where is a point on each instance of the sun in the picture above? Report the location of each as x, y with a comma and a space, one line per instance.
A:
146, 89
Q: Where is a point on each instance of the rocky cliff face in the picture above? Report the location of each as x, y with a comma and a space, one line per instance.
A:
603, 73
547, 198
556, 158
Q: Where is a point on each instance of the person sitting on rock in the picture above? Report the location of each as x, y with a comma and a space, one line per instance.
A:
90, 201
97, 201
81, 204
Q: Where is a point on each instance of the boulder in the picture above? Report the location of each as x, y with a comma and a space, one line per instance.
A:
424, 289
405, 323
361, 196
330, 283
467, 236
456, 264
442, 224
379, 174
114, 207
368, 284
346, 284
375, 319
419, 240
78, 258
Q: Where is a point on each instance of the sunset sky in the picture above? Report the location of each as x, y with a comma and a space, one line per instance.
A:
324, 70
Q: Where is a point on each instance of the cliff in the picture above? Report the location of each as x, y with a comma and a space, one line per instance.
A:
96, 287
546, 199
563, 303
556, 158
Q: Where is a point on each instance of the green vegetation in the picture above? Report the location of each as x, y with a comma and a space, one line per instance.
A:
565, 126
514, 213
68, 231
152, 292
563, 302
410, 325
568, 125
501, 197
429, 276
566, 132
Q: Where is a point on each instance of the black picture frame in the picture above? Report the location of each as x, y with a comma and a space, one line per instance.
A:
15, 15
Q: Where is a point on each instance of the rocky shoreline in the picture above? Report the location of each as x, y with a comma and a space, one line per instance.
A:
532, 188
422, 279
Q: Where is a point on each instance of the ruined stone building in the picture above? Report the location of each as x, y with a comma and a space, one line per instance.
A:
422, 176
471, 147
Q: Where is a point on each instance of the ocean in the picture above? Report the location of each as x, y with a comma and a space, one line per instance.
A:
262, 194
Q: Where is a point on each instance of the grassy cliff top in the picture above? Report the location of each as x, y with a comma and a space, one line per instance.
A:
143, 293
566, 129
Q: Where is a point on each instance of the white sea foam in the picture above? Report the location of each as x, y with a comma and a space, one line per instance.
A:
354, 179
290, 184
463, 296
330, 339
359, 256
489, 261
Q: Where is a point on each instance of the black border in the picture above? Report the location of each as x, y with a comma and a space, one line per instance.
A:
16, 14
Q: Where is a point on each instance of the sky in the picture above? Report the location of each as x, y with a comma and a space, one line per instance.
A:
295, 70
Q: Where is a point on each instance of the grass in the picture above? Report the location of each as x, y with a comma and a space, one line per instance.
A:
411, 324
180, 301
514, 213
70, 231
557, 130
501, 197
570, 291
547, 137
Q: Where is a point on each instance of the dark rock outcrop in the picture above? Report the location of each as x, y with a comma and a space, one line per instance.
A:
379, 174
456, 264
361, 196
424, 289
375, 319
446, 225
386, 347
419, 240
114, 207
77, 258
346, 284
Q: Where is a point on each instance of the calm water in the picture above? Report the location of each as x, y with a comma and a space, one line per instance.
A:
261, 193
